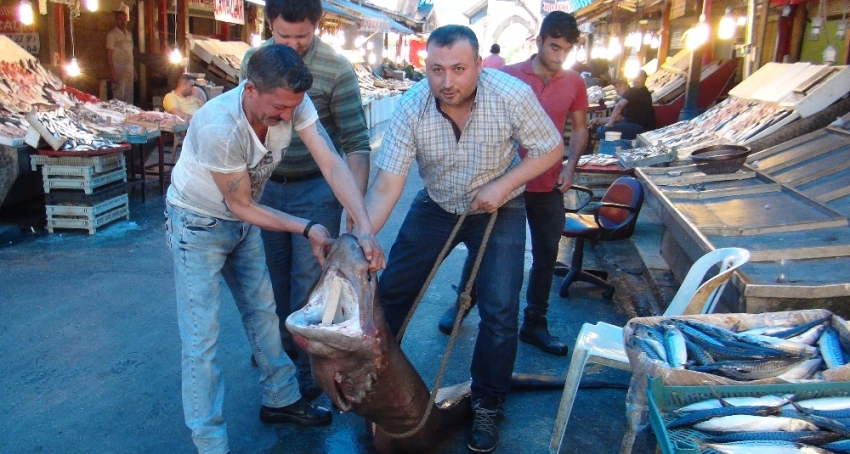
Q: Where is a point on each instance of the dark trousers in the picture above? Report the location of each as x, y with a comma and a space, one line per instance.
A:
423, 234
545, 213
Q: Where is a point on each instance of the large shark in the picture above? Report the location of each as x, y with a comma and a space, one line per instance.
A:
359, 364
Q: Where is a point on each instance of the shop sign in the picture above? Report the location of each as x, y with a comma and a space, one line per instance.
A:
202, 5
25, 36
232, 11
677, 9
567, 6
374, 24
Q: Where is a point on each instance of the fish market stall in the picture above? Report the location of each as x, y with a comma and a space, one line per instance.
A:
789, 205
219, 60
766, 103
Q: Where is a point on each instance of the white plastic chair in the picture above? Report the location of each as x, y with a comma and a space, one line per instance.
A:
602, 343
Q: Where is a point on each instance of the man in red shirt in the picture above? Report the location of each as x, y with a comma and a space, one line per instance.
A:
494, 60
562, 93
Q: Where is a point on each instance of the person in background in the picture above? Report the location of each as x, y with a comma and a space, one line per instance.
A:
494, 60
633, 113
297, 186
185, 99
467, 157
119, 58
213, 221
563, 95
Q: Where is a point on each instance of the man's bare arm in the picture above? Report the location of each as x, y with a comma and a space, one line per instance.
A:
491, 196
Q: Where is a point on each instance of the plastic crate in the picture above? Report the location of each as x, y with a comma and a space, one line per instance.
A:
84, 210
86, 184
143, 138
90, 222
76, 197
50, 170
662, 399
100, 163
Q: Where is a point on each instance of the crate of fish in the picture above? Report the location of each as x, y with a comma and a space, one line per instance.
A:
90, 221
731, 349
77, 197
99, 163
645, 156
806, 418
83, 182
69, 209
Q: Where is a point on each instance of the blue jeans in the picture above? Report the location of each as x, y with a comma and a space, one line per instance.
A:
545, 211
205, 250
629, 130
293, 269
420, 239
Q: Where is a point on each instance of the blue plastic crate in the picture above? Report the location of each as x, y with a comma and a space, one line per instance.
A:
662, 399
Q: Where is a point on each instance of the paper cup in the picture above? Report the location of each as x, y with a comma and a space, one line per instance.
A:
612, 135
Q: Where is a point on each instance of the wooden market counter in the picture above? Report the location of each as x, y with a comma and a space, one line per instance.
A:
789, 206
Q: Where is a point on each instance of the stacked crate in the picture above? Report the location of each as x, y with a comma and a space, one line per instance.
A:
84, 192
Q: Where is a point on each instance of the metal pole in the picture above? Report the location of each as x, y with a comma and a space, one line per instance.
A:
750, 38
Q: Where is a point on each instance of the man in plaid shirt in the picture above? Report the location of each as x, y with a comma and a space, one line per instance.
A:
463, 127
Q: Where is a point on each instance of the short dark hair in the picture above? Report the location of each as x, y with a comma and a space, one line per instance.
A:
294, 10
121, 12
187, 78
278, 66
495, 49
559, 24
448, 35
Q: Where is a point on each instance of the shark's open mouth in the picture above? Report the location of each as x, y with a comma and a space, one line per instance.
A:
334, 305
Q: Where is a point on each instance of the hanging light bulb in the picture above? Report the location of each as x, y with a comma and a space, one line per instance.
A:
632, 66
829, 55
614, 47
72, 69
726, 29
697, 36
647, 39
841, 29
175, 56
742, 20
91, 5
817, 26
25, 14
655, 43
256, 41
581, 54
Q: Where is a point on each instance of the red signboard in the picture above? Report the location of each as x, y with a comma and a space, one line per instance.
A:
25, 36
232, 11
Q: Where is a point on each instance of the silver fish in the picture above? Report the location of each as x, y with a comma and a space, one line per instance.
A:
841, 446
830, 348
811, 336
750, 370
816, 438
695, 417
675, 348
788, 346
803, 370
825, 403
764, 446
748, 423
763, 401
658, 347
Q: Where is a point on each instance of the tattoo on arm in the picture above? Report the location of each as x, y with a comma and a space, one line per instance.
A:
233, 185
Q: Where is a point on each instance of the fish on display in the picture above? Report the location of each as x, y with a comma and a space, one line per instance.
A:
751, 423
359, 364
829, 345
763, 401
787, 352
815, 438
763, 447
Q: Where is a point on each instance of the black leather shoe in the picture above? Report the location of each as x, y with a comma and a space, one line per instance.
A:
307, 386
534, 331
484, 435
302, 413
447, 321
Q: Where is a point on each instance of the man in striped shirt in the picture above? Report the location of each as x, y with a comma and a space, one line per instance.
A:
463, 126
297, 186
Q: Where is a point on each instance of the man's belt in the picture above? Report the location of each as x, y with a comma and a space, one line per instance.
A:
278, 178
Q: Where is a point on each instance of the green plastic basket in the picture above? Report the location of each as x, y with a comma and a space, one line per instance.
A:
663, 399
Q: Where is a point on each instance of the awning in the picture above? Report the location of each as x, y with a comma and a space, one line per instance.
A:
371, 20
400, 28
333, 9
